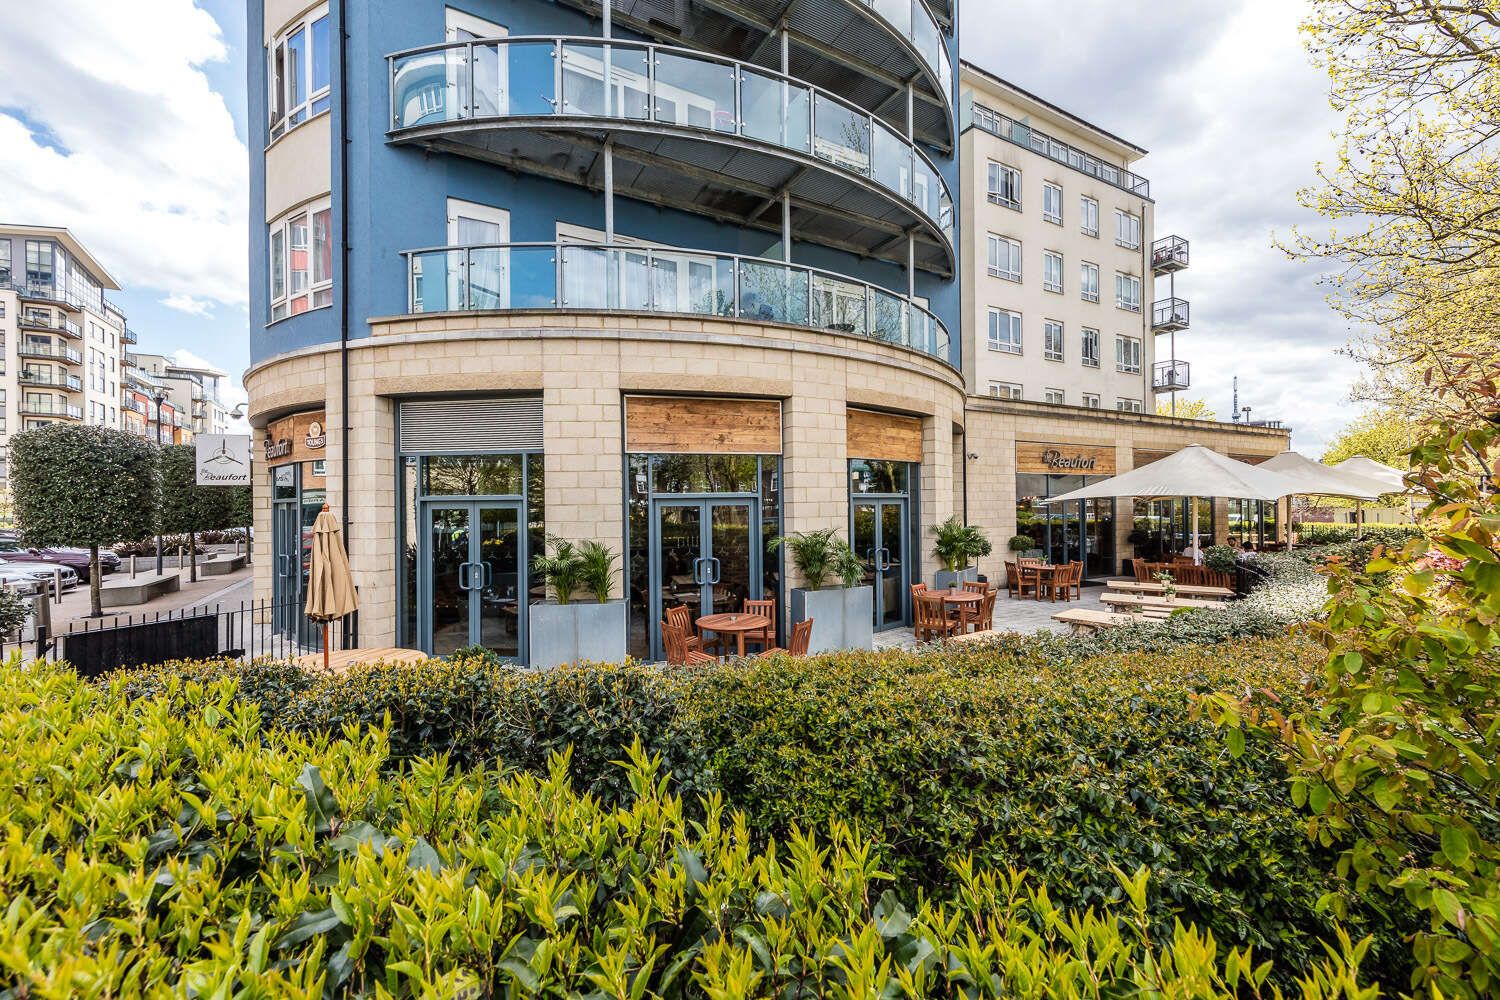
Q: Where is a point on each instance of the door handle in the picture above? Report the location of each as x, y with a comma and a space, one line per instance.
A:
715, 563
489, 575
465, 576
885, 559
698, 575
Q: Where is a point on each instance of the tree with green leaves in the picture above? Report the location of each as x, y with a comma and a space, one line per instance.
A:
1188, 409
1381, 434
187, 508
84, 486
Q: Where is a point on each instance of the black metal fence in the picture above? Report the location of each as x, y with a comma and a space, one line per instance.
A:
245, 630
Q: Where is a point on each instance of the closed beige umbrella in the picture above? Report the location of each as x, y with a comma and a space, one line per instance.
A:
330, 585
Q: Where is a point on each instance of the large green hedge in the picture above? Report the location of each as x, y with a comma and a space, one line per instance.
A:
156, 849
1020, 753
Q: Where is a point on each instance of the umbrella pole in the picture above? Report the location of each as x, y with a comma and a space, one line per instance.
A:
1359, 519
1197, 553
325, 645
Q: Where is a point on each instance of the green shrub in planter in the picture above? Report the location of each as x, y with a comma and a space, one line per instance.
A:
1021, 543
185, 849
1221, 558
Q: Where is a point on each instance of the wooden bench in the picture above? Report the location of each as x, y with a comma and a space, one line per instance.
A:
1184, 589
1084, 621
1148, 601
123, 592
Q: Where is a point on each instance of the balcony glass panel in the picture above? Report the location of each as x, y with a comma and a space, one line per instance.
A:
898, 12
533, 276
419, 88
892, 161
761, 107
631, 93
890, 319
841, 135
693, 283
437, 281
583, 81
530, 69
586, 278
774, 294
488, 97
694, 92
839, 305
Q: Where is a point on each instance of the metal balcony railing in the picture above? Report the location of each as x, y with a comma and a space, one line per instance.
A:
50, 408
1169, 315
129, 337
577, 276
52, 380
657, 96
1025, 136
40, 291
1169, 254
49, 352
32, 320
1170, 376
132, 404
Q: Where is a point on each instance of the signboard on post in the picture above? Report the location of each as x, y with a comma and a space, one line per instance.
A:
223, 459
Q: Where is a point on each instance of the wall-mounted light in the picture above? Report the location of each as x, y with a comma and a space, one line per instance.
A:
973, 456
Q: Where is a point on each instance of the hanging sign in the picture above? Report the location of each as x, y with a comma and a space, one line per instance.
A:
223, 459
301, 437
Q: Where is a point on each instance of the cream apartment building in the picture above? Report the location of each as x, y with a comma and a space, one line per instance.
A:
62, 340
1058, 289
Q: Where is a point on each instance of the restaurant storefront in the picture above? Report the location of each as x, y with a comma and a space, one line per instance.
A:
294, 456
885, 452
1076, 531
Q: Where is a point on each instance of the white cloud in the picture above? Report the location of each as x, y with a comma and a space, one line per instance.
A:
1236, 119
188, 304
151, 176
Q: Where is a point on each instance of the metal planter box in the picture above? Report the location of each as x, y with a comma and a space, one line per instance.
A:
947, 579
581, 632
843, 618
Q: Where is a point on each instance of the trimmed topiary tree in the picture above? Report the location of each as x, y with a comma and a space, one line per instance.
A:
187, 508
84, 486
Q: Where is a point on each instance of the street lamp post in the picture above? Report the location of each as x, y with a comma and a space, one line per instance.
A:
159, 398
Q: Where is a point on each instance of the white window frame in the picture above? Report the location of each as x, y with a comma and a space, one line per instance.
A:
1127, 292
1007, 390
1127, 229
1056, 397
1091, 400
1088, 216
319, 292
1052, 271
1127, 354
1126, 405
1011, 321
1008, 268
284, 114
1052, 203
1010, 178
1052, 339
1088, 281
1090, 338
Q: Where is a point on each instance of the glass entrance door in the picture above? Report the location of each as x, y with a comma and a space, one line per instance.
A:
286, 581
472, 590
880, 540
705, 558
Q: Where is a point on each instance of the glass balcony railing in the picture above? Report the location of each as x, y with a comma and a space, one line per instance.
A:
914, 22
34, 320
665, 280
1025, 136
525, 78
42, 291
54, 380
50, 408
49, 352
132, 404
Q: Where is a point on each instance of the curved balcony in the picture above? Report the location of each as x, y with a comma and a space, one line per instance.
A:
691, 131
865, 50
585, 276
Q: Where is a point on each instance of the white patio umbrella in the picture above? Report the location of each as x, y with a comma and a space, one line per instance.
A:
1316, 479
1193, 472
1393, 479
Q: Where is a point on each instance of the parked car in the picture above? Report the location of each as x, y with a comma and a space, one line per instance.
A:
21, 582
75, 559
44, 571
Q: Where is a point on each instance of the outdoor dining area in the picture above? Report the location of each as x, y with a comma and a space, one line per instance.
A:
711, 637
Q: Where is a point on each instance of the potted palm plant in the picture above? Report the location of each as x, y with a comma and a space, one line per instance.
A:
835, 597
581, 623
956, 546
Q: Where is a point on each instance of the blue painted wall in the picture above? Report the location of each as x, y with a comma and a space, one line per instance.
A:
397, 195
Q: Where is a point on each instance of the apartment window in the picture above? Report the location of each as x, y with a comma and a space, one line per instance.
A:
1052, 265
1088, 281
1127, 292
1005, 331
1128, 405
1128, 355
1088, 216
4, 262
1055, 396
1052, 340
1005, 185
1052, 203
298, 75
1005, 258
1006, 390
38, 262
1091, 400
301, 262
1090, 352
1127, 230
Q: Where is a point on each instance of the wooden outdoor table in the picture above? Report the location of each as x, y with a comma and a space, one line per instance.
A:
1185, 589
958, 597
1145, 601
1040, 570
345, 658
736, 625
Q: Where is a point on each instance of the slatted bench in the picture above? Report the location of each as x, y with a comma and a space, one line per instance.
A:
1084, 621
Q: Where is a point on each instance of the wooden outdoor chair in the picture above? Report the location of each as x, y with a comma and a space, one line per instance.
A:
976, 587
932, 621
678, 654
1015, 582
801, 637
1070, 579
766, 637
979, 617
681, 617
917, 588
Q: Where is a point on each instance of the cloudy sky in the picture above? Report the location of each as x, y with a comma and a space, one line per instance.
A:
129, 129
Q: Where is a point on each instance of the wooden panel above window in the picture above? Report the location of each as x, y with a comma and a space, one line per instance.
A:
887, 437
1058, 458
696, 425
